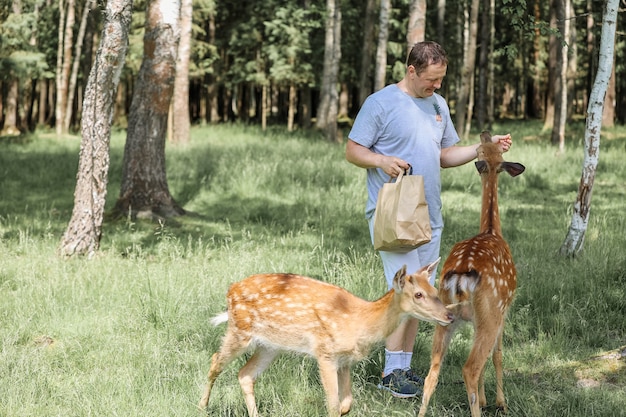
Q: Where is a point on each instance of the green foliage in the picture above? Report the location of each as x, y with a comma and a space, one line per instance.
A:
127, 332
288, 48
19, 58
204, 54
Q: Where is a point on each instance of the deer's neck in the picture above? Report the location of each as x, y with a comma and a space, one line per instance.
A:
384, 316
490, 215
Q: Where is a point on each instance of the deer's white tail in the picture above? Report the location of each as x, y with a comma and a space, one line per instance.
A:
220, 318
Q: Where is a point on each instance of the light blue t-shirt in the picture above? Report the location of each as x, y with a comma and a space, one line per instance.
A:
393, 123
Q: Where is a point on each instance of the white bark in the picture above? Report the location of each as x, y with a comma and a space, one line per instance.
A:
417, 23
84, 230
574, 240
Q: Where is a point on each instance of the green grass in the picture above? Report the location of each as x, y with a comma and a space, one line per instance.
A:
128, 334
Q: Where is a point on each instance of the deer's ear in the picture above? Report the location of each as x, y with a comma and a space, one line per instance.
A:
513, 168
430, 268
481, 166
399, 279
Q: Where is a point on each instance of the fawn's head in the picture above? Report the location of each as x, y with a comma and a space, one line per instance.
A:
419, 298
489, 158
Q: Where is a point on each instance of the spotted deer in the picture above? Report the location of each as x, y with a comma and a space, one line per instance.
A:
478, 282
270, 313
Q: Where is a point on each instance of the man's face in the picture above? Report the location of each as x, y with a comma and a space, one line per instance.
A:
428, 81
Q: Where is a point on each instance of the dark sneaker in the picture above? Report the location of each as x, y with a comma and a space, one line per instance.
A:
414, 377
399, 385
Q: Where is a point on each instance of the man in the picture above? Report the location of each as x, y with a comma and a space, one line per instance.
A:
408, 125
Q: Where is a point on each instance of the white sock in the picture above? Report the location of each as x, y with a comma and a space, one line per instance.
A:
393, 360
406, 360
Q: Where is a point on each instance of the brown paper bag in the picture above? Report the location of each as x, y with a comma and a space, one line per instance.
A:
401, 221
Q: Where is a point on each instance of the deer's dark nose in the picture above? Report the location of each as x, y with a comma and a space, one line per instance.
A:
450, 316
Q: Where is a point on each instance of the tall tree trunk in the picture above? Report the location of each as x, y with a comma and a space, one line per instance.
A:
575, 238
10, 110
483, 65
293, 102
212, 90
144, 190
365, 80
333, 110
572, 59
84, 230
553, 68
304, 104
491, 84
535, 107
560, 91
417, 24
344, 100
181, 123
64, 61
381, 48
12, 97
441, 20
42, 101
264, 106
71, 90
467, 73
327, 108
590, 40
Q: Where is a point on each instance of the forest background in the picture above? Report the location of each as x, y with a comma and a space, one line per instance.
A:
264, 62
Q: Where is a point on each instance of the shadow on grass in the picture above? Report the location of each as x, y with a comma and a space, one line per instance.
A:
37, 187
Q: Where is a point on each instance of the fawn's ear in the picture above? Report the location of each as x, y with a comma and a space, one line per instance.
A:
513, 168
481, 166
431, 268
399, 279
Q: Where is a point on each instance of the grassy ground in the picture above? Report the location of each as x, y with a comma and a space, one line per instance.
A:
127, 333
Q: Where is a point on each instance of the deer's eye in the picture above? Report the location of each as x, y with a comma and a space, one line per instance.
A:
419, 295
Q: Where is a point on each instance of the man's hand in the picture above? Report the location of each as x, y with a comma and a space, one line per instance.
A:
393, 166
504, 141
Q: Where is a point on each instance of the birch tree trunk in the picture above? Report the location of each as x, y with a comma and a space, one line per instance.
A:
85, 227
417, 24
181, 123
144, 191
575, 238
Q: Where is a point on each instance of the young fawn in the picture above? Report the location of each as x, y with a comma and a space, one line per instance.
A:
269, 313
478, 282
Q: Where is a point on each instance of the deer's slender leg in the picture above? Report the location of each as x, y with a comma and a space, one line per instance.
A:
232, 346
345, 389
248, 374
